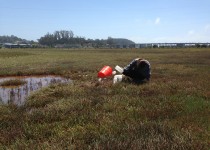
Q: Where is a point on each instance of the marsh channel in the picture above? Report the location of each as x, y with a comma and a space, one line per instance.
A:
18, 94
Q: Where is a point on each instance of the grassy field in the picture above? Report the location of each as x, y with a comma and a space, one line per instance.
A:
172, 111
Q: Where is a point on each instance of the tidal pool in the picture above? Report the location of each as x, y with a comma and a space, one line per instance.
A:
18, 94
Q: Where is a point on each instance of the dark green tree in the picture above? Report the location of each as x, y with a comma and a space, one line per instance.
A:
110, 41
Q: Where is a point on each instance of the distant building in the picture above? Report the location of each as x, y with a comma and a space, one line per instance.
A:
170, 45
11, 45
180, 44
145, 45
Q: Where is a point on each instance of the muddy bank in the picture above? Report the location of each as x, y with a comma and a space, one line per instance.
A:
18, 94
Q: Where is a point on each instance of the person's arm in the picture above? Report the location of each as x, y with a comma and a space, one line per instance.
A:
145, 69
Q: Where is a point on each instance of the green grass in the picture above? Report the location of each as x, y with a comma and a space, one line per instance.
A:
170, 112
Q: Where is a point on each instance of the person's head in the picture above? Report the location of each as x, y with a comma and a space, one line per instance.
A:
140, 63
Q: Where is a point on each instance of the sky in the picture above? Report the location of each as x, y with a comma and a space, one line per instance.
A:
142, 21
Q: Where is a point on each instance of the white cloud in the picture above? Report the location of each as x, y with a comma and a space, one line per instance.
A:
157, 20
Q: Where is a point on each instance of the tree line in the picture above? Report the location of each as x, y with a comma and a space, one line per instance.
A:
12, 39
62, 37
68, 38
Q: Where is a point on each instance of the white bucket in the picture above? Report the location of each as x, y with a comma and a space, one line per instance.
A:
119, 69
117, 78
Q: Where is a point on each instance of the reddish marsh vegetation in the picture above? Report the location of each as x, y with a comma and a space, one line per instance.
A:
170, 112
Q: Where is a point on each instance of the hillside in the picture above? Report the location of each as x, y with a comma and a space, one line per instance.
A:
121, 41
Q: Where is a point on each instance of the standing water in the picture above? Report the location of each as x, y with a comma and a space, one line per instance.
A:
17, 94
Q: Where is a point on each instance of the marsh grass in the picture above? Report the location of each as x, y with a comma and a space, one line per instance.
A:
13, 82
169, 112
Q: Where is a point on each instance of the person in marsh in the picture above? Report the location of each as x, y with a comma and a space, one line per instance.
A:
138, 70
